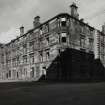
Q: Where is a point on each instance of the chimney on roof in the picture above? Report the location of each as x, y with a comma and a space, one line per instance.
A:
21, 30
74, 12
74, 9
103, 28
36, 21
82, 20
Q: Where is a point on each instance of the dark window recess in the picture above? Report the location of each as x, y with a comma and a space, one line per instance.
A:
59, 51
44, 67
63, 23
64, 39
17, 75
48, 55
47, 40
9, 73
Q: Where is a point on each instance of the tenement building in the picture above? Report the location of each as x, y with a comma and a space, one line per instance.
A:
38, 51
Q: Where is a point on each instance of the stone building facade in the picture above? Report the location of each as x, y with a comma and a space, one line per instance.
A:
100, 44
28, 56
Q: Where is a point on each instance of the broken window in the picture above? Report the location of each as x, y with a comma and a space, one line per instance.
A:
63, 22
63, 37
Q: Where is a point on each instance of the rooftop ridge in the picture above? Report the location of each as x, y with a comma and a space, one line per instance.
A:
61, 14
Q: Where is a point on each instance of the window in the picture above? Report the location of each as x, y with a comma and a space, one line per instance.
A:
17, 75
63, 37
31, 45
24, 45
90, 43
47, 55
63, 22
102, 57
63, 19
14, 62
32, 58
9, 73
32, 72
47, 39
82, 42
102, 49
45, 29
24, 59
41, 56
41, 32
24, 48
59, 51
18, 60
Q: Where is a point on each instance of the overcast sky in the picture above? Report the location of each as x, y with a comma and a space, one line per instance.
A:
14, 13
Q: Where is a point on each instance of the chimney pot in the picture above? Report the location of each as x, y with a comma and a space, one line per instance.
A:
82, 20
36, 21
21, 30
74, 12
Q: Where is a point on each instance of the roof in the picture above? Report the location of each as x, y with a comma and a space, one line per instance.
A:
57, 16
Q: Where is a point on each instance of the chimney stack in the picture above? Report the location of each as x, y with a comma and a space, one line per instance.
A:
21, 30
36, 21
74, 9
82, 20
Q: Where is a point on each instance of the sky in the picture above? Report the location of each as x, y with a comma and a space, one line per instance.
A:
15, 13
